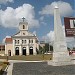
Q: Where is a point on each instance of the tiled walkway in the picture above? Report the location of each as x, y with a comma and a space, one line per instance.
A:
41, 68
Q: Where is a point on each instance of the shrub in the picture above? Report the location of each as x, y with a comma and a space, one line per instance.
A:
6, 62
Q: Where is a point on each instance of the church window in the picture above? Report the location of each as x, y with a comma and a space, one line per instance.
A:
17, 51
25, 41
23, 33
18, 41
23, 27
22, 41
17, 48
15, 41
31, 41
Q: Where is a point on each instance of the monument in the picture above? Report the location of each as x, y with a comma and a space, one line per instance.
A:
60, 53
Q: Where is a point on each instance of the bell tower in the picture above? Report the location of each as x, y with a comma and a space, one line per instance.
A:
23, 27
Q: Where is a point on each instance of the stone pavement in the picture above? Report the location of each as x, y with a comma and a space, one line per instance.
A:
41, 68
9, 68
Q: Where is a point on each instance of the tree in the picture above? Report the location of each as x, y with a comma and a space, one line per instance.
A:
46, 47
73, 48
40, 50
68, 48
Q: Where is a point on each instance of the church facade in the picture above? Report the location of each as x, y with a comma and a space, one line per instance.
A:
22, 43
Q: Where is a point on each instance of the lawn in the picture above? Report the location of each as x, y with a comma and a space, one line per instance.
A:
29, 57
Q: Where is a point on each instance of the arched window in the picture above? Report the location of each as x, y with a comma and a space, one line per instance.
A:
23, 27
17, 48
17, 51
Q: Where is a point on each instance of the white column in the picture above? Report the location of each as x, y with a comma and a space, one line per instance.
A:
13, 47
34, 50
27, 50
20, 47
27, 47
5, 50
20, 50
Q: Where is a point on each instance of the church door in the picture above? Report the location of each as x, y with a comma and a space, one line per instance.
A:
31, 50
24, 51
9, 52
17, 51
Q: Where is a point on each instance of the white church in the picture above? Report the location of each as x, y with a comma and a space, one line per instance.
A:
23, 42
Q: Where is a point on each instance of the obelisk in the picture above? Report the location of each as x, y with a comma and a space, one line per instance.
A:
60, 52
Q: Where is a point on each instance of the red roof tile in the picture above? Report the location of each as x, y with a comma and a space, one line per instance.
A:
8, 40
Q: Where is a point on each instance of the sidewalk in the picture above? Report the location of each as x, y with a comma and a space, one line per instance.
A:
8, 70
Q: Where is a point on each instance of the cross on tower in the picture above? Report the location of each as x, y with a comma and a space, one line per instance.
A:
23, 19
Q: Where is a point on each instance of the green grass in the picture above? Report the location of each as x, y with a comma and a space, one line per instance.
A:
29, 57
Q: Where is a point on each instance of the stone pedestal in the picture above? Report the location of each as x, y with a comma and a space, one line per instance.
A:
60, 56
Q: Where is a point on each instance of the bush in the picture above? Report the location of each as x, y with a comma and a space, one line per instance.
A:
6, 62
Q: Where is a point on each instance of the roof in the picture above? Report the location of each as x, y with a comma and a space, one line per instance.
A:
2, 46
8, 40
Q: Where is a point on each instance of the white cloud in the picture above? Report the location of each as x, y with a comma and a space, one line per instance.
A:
42, 21
11, 17
3, 41
64, 8
5, 1
50, 38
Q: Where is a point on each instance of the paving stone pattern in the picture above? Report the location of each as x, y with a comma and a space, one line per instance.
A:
41, 68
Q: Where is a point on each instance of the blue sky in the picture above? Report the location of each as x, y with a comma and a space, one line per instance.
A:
38, 13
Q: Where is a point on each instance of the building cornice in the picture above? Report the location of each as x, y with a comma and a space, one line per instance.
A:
28, 37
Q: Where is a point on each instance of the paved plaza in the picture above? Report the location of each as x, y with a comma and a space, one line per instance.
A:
41, 68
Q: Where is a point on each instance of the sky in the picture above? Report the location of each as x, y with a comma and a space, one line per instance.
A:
38, 13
